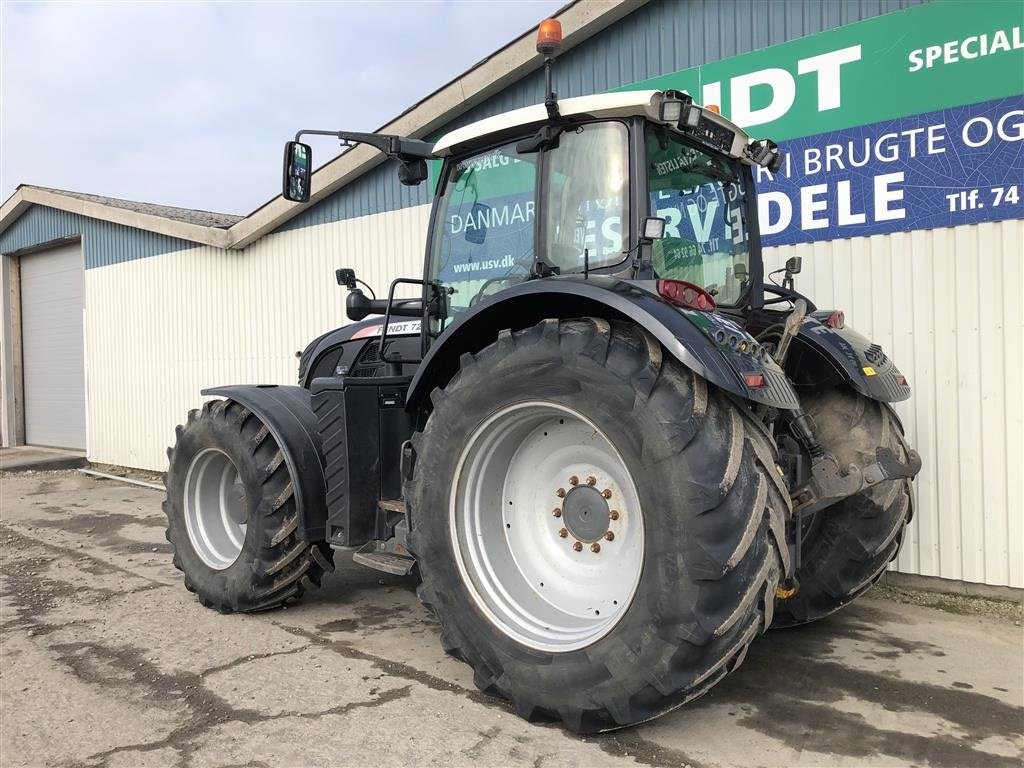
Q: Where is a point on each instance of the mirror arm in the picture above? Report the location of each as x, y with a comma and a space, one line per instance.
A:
392, 146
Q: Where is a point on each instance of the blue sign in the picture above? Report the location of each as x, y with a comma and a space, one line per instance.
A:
956, 166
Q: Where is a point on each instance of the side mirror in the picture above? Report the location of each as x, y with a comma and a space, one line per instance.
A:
793, 264
480, 214
298, 171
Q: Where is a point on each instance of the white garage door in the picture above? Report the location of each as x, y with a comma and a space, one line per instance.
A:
53, 346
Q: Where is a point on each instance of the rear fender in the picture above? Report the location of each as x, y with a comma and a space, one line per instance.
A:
287, 413
688, 335
821, 356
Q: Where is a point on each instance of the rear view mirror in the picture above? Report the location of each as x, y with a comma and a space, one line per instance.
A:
298, 171
793, 264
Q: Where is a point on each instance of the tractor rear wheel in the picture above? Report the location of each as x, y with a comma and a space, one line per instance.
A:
599, 532
231, 515
846, 547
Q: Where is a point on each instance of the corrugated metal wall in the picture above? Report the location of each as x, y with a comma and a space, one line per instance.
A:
944, 303
159, 330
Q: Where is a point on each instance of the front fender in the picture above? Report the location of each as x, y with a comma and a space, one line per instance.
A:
687, 335
822, 356
288, 415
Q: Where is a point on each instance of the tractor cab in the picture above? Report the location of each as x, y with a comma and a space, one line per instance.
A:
640, 185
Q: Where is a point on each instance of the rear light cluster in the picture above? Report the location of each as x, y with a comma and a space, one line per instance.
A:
738, 343
690, 296
686, 295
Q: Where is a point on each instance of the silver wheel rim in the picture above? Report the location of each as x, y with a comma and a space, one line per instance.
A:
527, 527
215, 508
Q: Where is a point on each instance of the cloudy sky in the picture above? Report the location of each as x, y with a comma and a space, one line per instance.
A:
189, 103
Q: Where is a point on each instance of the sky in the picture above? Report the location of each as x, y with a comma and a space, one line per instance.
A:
189, 104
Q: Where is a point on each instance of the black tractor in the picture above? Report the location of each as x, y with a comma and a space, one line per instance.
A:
611, 451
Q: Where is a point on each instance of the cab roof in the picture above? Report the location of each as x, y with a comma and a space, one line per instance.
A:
645, 104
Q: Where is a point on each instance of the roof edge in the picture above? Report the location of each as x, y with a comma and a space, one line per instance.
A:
26, 195
509, 64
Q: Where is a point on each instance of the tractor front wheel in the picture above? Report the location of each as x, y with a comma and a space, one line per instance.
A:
231, 515
599, 531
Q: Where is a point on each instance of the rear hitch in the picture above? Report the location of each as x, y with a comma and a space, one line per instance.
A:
830, 484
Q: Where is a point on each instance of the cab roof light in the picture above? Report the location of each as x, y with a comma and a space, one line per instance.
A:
549, 37
678, 108
686, 295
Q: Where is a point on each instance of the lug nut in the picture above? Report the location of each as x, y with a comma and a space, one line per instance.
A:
607, 493
595, 547
578, 546
609, 536
563, 532
591, 480
556, 512
574, 480
614, 514
560, 493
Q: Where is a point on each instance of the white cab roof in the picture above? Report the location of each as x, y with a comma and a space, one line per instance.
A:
603, 105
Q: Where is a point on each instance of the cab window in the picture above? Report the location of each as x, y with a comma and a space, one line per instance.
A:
587, 186
702, 199
484, 233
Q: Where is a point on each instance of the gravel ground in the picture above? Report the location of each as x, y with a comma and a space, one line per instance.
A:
106, 660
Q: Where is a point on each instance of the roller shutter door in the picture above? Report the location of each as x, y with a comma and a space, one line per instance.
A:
53, 346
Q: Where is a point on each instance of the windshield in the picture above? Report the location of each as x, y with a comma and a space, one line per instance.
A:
702, 199
484, 232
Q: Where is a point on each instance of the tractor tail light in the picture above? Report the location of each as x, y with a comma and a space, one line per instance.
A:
688, 295
836, 320
754, 380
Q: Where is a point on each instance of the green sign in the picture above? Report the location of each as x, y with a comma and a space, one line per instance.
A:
942, 54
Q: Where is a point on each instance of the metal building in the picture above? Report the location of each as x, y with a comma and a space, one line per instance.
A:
116, 313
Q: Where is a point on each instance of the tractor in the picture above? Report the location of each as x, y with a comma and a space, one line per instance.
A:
611, 450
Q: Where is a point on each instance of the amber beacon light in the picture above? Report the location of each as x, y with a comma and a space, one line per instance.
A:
549, 37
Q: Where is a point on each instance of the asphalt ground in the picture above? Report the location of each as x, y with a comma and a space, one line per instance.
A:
106, 660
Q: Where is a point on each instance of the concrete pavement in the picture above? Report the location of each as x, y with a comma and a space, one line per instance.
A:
106, 660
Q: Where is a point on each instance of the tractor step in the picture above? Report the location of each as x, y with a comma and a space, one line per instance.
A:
375, 554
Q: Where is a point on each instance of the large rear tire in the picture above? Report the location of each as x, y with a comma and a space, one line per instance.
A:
231, 515
587, 418
846, 547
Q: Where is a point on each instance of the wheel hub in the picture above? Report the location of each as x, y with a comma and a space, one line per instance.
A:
546, 525
586, 514
215, 508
